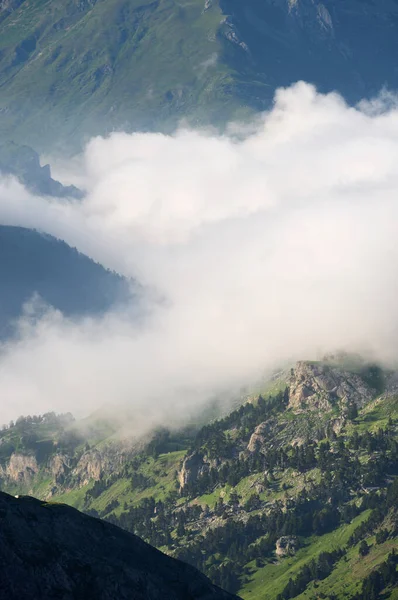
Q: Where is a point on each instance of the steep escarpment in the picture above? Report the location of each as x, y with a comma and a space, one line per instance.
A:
53, 551
52, 454
20, 469
317, 386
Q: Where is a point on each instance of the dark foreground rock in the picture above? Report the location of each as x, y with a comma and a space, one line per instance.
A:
52, 551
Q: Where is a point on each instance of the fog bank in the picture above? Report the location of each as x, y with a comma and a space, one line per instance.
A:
276, 245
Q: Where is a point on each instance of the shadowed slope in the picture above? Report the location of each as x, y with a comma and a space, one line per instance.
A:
31, 262
53, 551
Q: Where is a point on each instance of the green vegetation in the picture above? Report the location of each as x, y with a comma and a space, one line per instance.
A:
270, 501
109, 61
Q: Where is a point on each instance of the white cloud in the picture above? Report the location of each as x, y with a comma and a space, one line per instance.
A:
274, 246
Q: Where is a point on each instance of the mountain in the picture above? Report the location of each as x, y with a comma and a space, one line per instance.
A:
72, 69
293, 494
52, 551
24, 163
35, 263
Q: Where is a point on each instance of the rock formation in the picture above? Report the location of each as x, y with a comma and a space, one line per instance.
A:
317, 386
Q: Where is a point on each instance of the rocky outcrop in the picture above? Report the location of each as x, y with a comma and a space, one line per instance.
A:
94, 463
318, 387
21, 468
231, 33
261, 434
66, 472
60, 467
24, 163
90, 466
286, 546
193, 466
52, 551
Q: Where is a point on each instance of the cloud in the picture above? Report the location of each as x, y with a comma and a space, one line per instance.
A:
273, 243
209, 62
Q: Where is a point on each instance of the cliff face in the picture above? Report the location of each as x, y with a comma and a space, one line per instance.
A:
319, 387
52, 551
317, 391
24, 470
21, 468
193, 466
321, 394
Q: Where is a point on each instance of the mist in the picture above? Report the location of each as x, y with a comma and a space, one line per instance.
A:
274, 242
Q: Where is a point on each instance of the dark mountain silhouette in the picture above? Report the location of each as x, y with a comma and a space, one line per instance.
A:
50, 551
35, 263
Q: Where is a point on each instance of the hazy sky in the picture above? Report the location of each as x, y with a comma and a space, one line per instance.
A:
267, 247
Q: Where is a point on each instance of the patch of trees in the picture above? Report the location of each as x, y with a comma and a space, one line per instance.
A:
223, 552
381, 504
50, 418
110, 506
338, 460
239, 542
245, 419
316, 569
138, 481
151, 520
165, 441
384, 576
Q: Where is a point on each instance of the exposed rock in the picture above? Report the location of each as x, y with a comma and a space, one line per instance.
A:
299, 441
53, 551
24, 163
232, 34
286, 545
59, 467
260, 434
94, 463
192, 467
317, 386
89, 467
338, 424
391, 385
21, 468
324, 18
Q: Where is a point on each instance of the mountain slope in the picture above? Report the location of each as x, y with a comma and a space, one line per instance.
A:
34, 263
73, 69
93, 66
289, 486
52, 551
23, 163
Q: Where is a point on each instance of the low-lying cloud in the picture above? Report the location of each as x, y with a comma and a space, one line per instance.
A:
268, 245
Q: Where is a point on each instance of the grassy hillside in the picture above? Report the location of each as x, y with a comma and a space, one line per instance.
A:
77, 68
113, 61
286, 497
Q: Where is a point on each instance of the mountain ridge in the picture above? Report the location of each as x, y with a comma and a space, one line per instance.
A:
50, 551
34, 263
253, 496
